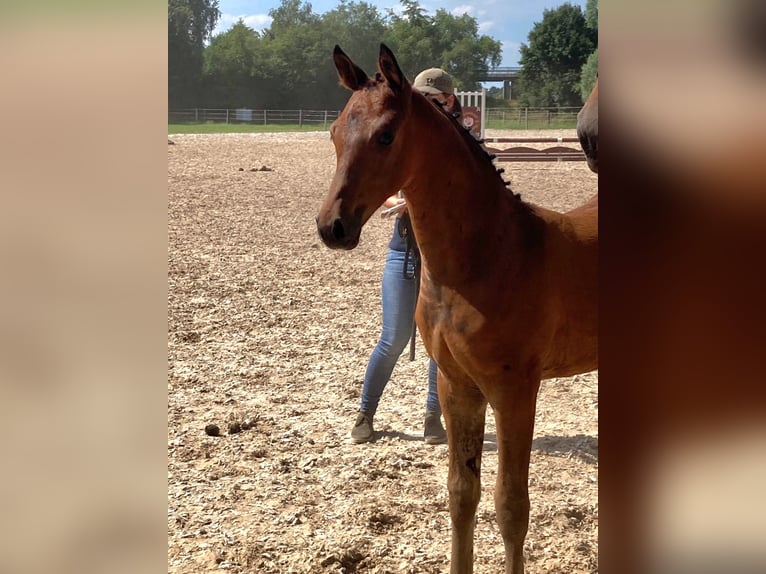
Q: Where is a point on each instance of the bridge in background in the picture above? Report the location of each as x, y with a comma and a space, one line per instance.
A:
506, 74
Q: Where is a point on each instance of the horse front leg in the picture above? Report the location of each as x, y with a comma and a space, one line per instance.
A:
464, 409
514, 404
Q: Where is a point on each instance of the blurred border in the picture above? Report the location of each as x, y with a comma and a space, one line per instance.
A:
682, 187
83, 309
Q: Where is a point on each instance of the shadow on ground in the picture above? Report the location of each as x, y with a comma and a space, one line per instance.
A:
579, 446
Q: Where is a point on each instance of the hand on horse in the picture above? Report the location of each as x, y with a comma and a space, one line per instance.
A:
394, 205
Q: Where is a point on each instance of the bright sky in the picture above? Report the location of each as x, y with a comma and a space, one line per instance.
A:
508, 21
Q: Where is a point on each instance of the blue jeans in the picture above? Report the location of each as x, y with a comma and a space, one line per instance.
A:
398, 300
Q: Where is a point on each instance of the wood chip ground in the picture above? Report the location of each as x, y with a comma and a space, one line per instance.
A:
270, 331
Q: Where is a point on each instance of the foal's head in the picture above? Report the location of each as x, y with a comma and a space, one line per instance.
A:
371, 147
587, 128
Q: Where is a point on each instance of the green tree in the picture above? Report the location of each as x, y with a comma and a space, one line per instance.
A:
410, 37
230, 67
464, 53
357, 27
190, 24
443, 40
588, 75
293, 47
589, 71
289, 65
290, 14
552, 61
591, 15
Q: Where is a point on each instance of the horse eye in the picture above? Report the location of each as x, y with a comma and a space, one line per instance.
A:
386, 138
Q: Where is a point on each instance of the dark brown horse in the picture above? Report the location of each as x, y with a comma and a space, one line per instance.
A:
587, 128
509, 290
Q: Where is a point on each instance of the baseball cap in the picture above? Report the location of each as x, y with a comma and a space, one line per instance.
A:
434, 81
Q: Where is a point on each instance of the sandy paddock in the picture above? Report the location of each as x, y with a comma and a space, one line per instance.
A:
270, 330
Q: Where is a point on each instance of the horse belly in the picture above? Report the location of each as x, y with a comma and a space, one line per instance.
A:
566, 360
573, 347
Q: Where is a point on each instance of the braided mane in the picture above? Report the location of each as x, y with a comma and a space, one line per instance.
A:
475, 145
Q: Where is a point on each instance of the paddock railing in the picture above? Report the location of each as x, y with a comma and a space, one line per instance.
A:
318, 118
530, 151
494, 118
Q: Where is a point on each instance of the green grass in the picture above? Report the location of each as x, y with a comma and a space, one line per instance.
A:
555, 124
242, 128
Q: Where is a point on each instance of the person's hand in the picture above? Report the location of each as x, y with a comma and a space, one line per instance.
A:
392, 201
393, 205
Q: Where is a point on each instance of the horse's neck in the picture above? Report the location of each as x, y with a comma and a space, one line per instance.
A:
457, 201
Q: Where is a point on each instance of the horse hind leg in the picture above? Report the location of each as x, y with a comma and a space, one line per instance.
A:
514, 413
464, 410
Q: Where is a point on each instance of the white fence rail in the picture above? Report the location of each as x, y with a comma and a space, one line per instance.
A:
252, 116
501, 118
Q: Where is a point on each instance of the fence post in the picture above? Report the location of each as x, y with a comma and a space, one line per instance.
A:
325, 119
196, 115
227, 115
526, 118
300, 118
264, 117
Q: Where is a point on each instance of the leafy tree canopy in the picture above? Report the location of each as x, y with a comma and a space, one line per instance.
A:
443, 40
229, 66
289, 64
591, 15
190, 24
589, 71
552, 62
589, 75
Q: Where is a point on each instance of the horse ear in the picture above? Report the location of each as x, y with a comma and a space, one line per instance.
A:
351, 75
391, 70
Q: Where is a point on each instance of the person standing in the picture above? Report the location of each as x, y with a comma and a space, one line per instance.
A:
399, 292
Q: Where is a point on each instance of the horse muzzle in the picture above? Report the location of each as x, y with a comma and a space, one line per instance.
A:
337, 234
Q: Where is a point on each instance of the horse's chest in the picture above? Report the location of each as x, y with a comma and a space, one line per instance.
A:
456, 331
479, 340
446, 312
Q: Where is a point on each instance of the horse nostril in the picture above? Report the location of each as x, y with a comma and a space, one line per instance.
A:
337, 230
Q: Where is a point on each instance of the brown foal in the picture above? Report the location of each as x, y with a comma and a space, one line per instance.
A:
509, 290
